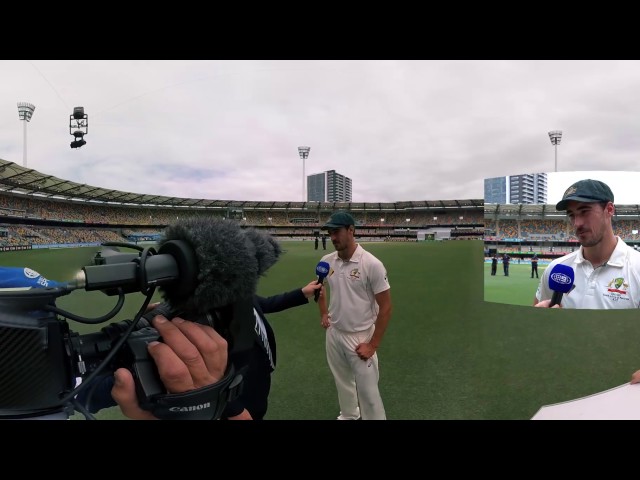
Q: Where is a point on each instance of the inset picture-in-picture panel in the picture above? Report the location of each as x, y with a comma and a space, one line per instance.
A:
569, 239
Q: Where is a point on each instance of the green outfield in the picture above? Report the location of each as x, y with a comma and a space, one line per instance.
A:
516, 289
447, 354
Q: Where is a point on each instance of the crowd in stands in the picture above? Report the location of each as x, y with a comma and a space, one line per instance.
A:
58, 210
554, 230
552, 237
97, 223
381, 224
30, 235
32, 220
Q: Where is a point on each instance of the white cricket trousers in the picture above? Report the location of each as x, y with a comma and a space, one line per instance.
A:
356, 379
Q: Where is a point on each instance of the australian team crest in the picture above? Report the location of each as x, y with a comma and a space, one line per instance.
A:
618, 285
570, 191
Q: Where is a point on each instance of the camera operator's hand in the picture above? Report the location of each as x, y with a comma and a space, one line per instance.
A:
152, 306
192, 356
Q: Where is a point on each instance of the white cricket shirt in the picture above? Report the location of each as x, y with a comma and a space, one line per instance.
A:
614, 285
353, 285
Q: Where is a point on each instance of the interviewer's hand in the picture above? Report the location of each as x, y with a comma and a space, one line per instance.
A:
192, 356
635, 378
545, 304
309, 289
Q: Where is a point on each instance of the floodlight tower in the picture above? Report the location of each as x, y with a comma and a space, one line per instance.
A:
304, 154
556, 136
25, 112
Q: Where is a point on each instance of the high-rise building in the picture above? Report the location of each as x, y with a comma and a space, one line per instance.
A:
495, 190
328, 186
528, 189
516, 189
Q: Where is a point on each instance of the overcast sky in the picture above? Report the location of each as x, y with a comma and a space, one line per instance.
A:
401, 130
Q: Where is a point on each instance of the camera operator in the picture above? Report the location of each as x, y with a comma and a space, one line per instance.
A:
192, 356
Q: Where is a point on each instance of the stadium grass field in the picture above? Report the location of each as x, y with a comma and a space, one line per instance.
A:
516, 289
447, 354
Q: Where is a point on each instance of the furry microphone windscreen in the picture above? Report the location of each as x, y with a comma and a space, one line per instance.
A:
267, 249
230, 261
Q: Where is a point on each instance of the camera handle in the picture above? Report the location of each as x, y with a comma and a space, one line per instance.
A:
205, 403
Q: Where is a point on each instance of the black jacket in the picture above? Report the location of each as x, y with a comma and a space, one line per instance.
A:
257, 374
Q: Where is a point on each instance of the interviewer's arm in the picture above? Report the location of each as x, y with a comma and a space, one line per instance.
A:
310, 288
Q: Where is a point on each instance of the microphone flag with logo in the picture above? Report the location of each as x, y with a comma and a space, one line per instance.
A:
561, 282
322, 270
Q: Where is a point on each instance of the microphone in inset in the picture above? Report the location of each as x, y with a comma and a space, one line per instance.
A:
561, 282
322, 270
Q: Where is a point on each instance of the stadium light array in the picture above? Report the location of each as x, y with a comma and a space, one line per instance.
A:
25, 112
304, 154
78, 126
555, 136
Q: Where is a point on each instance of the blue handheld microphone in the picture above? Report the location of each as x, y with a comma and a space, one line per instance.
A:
561, 282
322, 270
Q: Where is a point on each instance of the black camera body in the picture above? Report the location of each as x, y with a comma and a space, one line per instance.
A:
37, 366
207, 269
42, 359
90, 350
44, 364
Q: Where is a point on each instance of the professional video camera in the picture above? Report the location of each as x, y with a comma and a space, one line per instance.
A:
207, 271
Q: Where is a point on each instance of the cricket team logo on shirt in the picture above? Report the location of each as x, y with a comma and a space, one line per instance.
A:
617, 289
354, 274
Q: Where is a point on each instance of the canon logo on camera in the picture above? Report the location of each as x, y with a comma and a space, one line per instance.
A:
192, 408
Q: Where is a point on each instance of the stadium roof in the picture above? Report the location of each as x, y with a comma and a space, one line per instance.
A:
26, 181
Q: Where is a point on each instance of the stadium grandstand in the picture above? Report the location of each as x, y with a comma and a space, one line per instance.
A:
43, 211
522, 230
